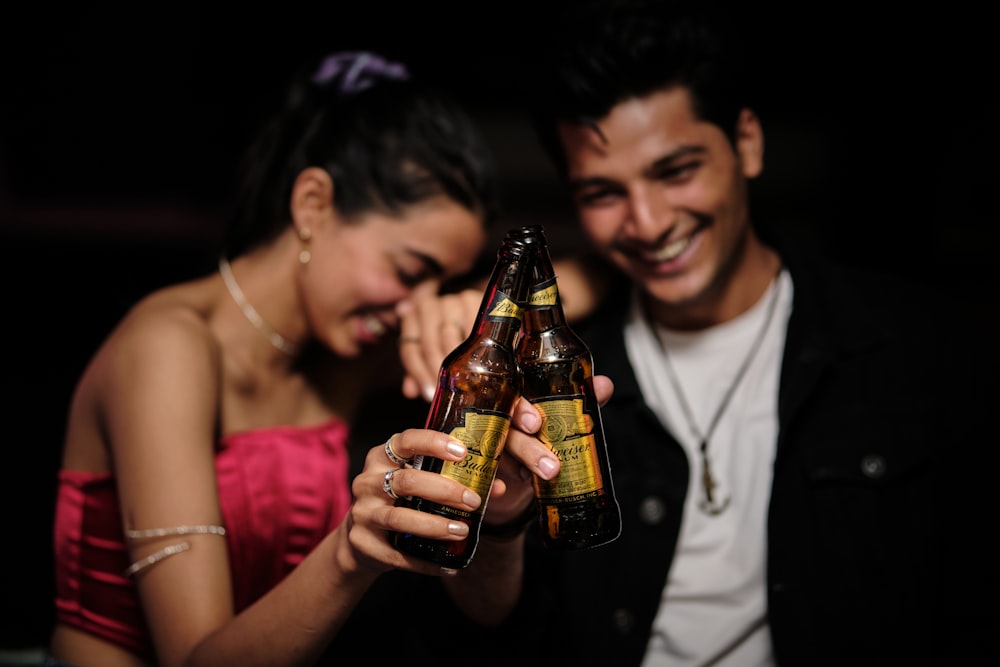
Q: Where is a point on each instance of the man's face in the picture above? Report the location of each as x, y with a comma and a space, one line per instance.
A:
663, 196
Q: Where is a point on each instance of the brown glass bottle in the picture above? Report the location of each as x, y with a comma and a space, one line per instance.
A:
478, 385
578, 508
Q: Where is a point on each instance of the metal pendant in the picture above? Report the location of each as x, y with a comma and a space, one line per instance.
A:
709, 505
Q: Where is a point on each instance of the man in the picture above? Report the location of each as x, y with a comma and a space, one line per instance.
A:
798, 458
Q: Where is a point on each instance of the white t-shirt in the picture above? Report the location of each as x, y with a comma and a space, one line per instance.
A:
714, 606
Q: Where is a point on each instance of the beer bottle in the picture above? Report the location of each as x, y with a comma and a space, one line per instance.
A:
478, 385
578, 508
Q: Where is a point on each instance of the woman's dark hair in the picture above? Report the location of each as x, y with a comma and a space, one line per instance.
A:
387, 141
612, 51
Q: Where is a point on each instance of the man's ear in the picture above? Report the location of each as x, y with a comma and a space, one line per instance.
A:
750, 143
312, 200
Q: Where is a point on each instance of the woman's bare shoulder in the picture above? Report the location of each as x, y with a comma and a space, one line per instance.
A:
162, 351
165, 333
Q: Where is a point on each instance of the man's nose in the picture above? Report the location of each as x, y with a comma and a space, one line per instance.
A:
650, 214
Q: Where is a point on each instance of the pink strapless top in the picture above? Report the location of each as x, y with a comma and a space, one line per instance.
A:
281, 490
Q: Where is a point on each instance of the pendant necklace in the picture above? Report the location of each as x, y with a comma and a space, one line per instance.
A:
276, 339
709, 504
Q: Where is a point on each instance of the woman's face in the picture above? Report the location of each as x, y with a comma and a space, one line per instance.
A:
360, 270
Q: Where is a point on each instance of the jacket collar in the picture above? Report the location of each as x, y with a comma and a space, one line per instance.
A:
836, 311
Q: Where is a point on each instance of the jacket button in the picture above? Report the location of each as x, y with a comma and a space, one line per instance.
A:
622, 621
652, 511
873, 466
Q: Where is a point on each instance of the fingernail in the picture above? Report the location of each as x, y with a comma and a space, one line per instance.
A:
458, 528
448, 571
456, 448
531, 421
548, 466
471, 498
429, 392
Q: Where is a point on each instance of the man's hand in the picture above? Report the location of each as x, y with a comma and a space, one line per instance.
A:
525, 455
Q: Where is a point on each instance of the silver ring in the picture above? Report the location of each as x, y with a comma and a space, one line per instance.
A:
387, 483
393, 456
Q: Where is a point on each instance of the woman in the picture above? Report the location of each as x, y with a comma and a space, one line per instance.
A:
204, 513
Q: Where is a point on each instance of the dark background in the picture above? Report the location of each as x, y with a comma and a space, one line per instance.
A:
120, 132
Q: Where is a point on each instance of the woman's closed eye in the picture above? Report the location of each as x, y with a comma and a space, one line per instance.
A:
412, 278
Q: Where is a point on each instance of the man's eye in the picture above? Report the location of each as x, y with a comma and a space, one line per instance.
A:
596, 197
678, 172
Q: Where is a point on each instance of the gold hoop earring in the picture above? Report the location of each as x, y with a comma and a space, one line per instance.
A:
304, 255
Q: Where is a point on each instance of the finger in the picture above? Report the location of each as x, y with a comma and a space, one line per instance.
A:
370, 540
445, 321
404, 482
420, 349
374, 545
522, 440
438, 336
413, 441
603, 388
409, 482
532, 454
374, 515
383, 475
393, 455
420, 376
411, 388
382, 482
458, 316
526, 417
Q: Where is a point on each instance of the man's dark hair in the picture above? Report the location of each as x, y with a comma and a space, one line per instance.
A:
606, 52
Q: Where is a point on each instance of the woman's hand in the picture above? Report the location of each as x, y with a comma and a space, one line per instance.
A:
374, 517
431, 326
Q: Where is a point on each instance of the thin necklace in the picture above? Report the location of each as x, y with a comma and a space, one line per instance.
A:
709, 504
276, 339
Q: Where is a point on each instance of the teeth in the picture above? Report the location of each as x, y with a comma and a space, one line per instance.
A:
373, 324
669, 251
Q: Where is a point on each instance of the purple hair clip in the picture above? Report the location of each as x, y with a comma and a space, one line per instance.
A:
356, 71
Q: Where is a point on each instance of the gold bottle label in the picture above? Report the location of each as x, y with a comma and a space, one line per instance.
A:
504, 307
483, 434
569, 431
544, 297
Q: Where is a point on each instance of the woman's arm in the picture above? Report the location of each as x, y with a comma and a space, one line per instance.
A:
159, 397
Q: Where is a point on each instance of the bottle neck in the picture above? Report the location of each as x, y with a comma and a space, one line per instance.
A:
543, 309
502, 311
500, 318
